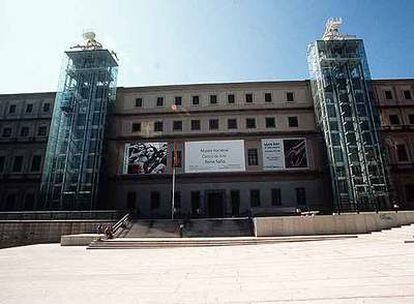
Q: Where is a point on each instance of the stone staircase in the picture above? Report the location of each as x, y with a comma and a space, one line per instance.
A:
158, 228
227, 227
404, 234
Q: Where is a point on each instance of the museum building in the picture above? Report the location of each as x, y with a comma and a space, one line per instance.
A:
336, 142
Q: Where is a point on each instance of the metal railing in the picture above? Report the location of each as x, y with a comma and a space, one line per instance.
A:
62, 215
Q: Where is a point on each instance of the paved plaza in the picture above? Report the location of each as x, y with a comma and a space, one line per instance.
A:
377, 268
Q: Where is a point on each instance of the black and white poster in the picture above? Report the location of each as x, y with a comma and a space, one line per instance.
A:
145, 158
295, 153
281, 154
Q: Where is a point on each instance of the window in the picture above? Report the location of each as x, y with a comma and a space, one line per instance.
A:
213, 99
230, 98
29, 201
195, 202
176, 159
24, 131
402, 153
196, 100
41, 131
388, 95
160, 101
138, 102
293, 121
250, 123
17, 164
12, 109
235, 202
155, 199
407, 94
131, 200
249, 98
10, 202
270, 122
411, 119
409, 192
46, 107
36, 161
2, 163
195, 125
29, 108
300, 196
177, 200
178, 100
268, 97
136, 127
232, 123
213, 124
158, 126
177, 125
394, 119
289, 96
7, 132
276, 197
254, 198
252, 157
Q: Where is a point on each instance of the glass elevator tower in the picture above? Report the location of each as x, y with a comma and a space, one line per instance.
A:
87, 87
348, 119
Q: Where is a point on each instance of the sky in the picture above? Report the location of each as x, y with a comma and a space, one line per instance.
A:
176, 41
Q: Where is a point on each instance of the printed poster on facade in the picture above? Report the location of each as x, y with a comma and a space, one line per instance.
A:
280, 154
214, 156
145, 158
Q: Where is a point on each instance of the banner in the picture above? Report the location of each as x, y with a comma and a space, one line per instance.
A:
145, 158
280, 154
214, 156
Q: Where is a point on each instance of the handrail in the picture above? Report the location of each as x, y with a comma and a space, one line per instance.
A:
122, 222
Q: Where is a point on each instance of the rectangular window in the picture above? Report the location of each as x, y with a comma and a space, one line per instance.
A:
12, 109
213, 124
36, 161
195, 125
254, 198
160, 101
196, 100
138, 102
24, 132
232, 123
131, 200
2, 163
177, 159
268, 97
300, 196
293, 121
178, 100
252, 157
7, 132
195, 202
177, 200
136, 127
158, 126
46, 107
402, 153
42, 131
250, 123
289, 96
29, 108
249, 98
177, 125
394, 119
388, 95
155, 200
213, 99
270, 122
407, 94
230, 98
411, 119
17, 164
276, 197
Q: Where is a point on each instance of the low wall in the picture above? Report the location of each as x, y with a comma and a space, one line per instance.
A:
27, 232
346, 223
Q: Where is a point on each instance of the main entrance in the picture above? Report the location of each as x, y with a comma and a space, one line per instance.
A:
215, 203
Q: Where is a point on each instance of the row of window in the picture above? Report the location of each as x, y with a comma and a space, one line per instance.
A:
389, 96
178, 100
17, 165
255, 198
24, 131
395, 119
29, 108
213, 124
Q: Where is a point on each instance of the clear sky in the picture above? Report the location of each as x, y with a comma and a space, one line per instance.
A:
172, 41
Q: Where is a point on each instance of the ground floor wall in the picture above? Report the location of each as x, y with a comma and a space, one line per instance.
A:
19, 193
403, 185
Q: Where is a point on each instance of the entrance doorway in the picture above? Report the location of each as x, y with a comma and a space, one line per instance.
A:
215, 203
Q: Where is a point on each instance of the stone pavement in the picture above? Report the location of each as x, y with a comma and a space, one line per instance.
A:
377, 268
